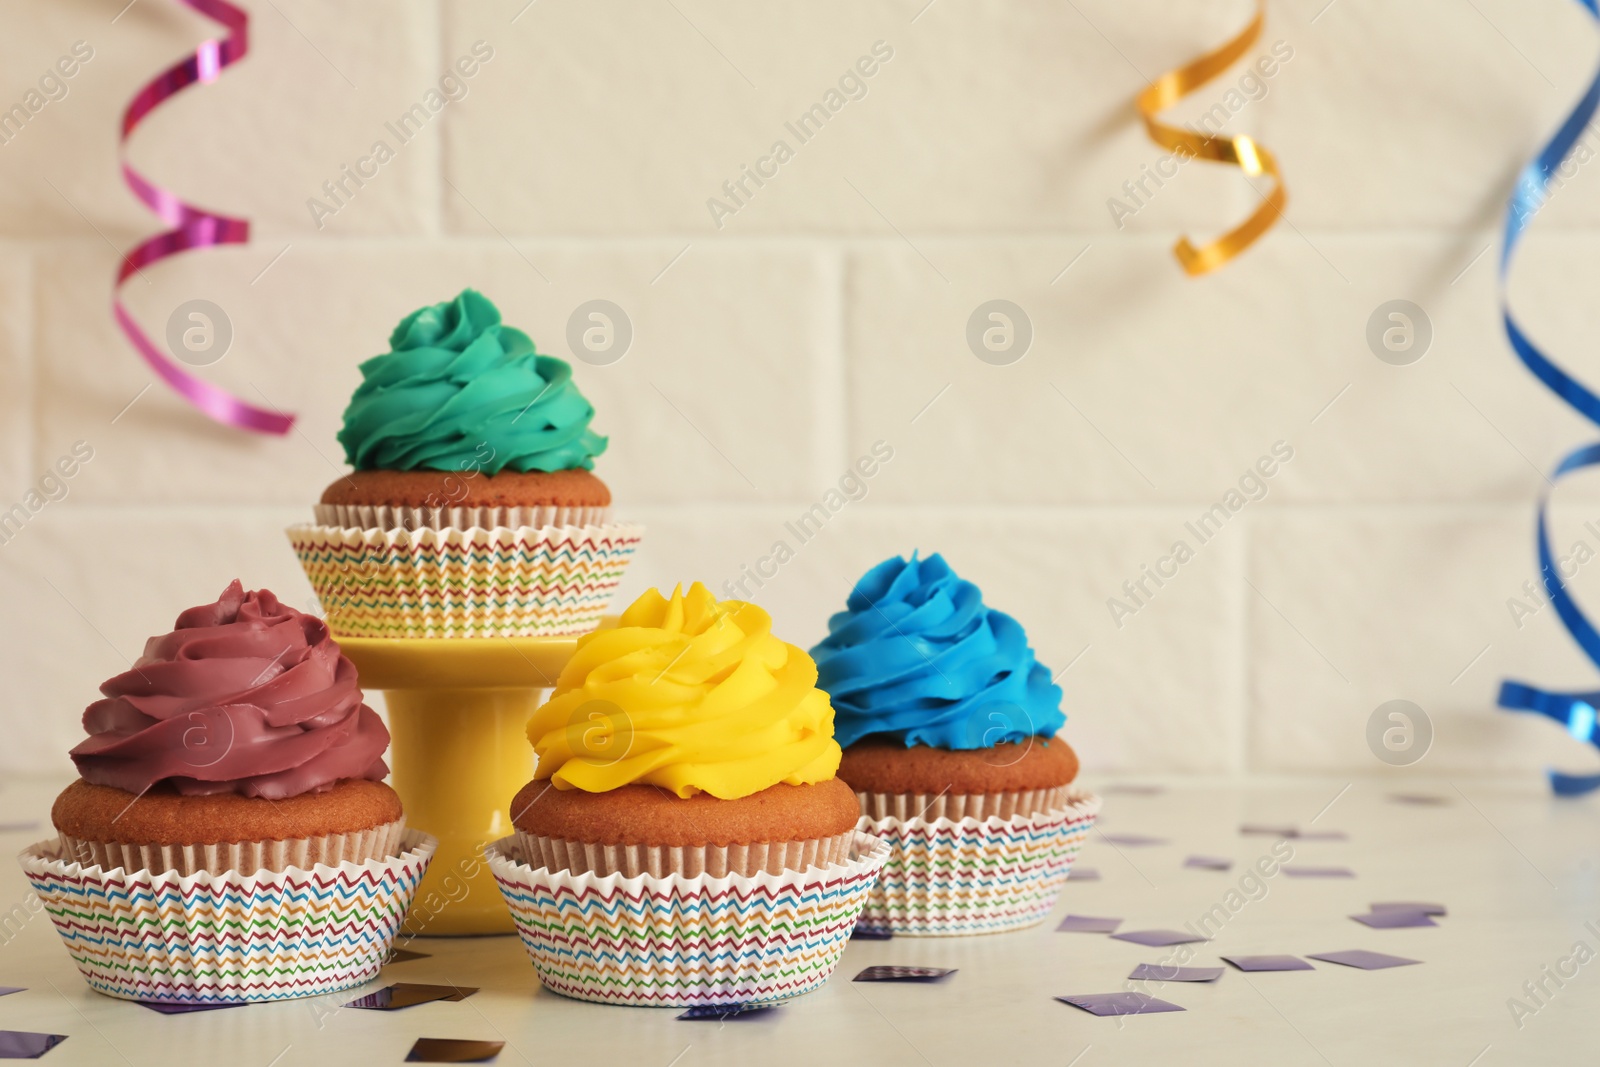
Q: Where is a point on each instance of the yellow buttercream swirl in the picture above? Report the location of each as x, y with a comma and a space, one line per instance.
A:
689, 694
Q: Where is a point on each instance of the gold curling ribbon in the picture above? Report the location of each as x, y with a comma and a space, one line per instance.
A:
1241, 151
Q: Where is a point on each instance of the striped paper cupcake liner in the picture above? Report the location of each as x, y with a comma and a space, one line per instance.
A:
679, 941
388, 517
549, 581
228, 938
304, 852
945, 878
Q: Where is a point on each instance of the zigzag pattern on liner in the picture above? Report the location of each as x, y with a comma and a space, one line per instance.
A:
376, 600
114, 937
663, 972
577, 559
485, 563
485, 590
957, 878
579, 544
494, 574
649, 905
672, 942
669, 944
984, 870
270, 884
252, 992
656, 947
231, 938
110, 944
450, 562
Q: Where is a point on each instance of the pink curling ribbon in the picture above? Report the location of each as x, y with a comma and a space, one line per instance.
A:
192, 227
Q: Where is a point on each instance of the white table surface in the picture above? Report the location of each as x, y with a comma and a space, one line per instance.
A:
1518, 870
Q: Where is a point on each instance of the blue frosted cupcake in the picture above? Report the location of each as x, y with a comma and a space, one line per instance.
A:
940, 705
948, 724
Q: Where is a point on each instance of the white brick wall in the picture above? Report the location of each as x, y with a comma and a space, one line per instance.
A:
828, 312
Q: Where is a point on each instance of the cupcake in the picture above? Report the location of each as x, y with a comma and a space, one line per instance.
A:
948, 724
686, 760
473, 509
235, 755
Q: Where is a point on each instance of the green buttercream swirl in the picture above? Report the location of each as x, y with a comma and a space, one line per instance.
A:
459, 391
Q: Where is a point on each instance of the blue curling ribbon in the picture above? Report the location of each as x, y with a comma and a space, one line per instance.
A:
1575, 711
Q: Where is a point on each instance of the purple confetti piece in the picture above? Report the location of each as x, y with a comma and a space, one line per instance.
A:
185, 1009
1269, 963
1133, 840
22, 1045
7, 990
1406, 905
1394, 919
1301, 871
1157, 972
863, 933
18, 827
409, 995
453, 1050
1321, 835
1268, 831
882, 973
1133, 790
1084, 874
726, 1011
1209, 863
1360, 957
1087, 924
1125, 1003
1158, 938
1421, 799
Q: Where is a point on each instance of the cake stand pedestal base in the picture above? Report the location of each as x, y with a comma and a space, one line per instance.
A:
458, 709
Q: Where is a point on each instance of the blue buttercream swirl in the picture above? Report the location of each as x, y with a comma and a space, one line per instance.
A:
917, 657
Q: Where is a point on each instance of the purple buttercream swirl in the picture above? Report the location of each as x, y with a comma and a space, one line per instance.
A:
247, 696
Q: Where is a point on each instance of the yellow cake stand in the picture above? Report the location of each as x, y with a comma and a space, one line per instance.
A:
458, 711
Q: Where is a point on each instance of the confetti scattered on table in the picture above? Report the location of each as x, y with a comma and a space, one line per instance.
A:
1366, 960
1125, 1003
1300, 871
1269, 963
726, 1011
1084, 874
861, 933
882, 973
185, 1009
1407, 905
1394, 919
22, 1045
1133, 790
453, 1050
1087, 924
404, 955
408, 995
1290, 831
1133, 840
1158, 938
7, 990
1426, 799
1209, 863
1157, 972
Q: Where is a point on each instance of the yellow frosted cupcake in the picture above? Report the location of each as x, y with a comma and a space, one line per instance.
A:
685, 839
686, 739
